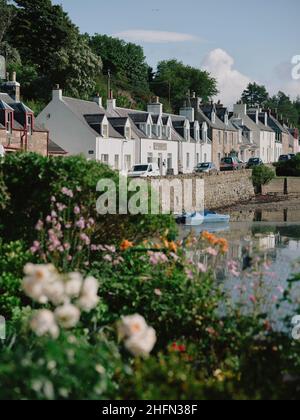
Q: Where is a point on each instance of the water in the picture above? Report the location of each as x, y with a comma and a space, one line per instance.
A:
273, 237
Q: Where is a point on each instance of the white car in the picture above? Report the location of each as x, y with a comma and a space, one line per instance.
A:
144, 171
2, 151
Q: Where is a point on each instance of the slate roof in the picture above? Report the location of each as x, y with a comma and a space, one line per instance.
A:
55, 149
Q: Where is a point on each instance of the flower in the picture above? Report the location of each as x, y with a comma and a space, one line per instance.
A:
35, 247
73, 285
36, 276
202, 268
77, 210
55, 292
43, 323
178, 348
89, 294
132, 325
142, 344
67, 192
67, 315
39, 226
157, 258
212, 251
126, 245
81, 223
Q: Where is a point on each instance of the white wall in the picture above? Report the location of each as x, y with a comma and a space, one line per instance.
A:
67, 130
116, 147
159, 149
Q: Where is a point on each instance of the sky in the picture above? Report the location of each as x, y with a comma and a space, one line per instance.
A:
238, 41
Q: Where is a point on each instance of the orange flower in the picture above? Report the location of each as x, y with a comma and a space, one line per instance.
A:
126, 245
173, 247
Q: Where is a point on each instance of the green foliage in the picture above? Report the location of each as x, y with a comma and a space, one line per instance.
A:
6, 15
31, 180
289, 168
50, 44
179, 79
13, 257
262, 175
255, 95
286, 109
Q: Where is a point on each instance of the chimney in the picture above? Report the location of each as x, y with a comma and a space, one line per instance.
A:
155, 107
188, 112
240, 110
57, 93
111, 102
12, 88
98, 100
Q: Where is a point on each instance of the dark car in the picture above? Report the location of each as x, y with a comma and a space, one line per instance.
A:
229, 164
254, 162
284, 158
292, 155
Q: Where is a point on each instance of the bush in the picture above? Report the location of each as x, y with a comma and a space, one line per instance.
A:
31, 181
262, 175
289, 168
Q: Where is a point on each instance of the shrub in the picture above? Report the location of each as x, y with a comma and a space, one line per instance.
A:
262, 175
289, 168
31, 180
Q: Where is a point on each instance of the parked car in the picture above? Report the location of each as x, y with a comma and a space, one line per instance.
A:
292, 155
2, 151
206, 167
284, 158
252, 162
242, 164
144, 171
229, 164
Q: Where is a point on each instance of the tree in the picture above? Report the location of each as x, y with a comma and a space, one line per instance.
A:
47, 39
126, 61
175, 78
255, 95
7, 12
285, 108
262, 175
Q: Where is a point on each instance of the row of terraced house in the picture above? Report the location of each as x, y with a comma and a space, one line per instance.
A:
122, 137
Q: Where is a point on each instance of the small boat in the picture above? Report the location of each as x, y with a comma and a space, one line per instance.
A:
198, 218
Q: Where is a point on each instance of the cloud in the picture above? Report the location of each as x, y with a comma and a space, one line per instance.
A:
157, 37
231, 83
283, 80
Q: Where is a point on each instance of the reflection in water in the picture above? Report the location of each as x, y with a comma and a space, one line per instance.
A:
277, 246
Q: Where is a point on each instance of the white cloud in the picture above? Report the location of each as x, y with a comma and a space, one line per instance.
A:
158, 37
231, 83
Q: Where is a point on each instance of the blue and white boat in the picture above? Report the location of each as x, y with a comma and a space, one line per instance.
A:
199, 218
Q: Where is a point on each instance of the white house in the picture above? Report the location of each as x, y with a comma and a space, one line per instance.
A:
123, 137
259, 138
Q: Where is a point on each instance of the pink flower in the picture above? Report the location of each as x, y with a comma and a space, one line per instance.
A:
48, 219
85, 239
94, 248
67, 192
189, 274
81, 223
53, 199
158, 292
39, 226
69, 258
61, 207
111, 249
91, 221
35, 248
202, 268
68, 226
107, 258
67, 246
212, 251
77, 210
53, 214
252, 299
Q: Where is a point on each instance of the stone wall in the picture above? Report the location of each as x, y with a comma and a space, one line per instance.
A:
277, 186
220, 190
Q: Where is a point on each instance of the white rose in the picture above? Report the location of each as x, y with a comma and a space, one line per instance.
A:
55, 292
132, 325
87, 302
73, 285
41, 272
141, 344
44, 323
67, 315
34, 289
90, 286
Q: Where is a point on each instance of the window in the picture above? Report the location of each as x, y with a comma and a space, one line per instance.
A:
169, 132
9, 118
117, 162
158, 131
148, 131
187, 160
213, 117
150, 158
105, 131
225, 138
197, 158
127, 159
29, 123
205, 157
219, 157
105, 159
226, 119
170, 161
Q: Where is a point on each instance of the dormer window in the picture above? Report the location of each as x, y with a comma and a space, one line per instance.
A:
105, 130
128, 132
159, 131
213, 117
8, 122
29, 123
226, 119
149, 131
